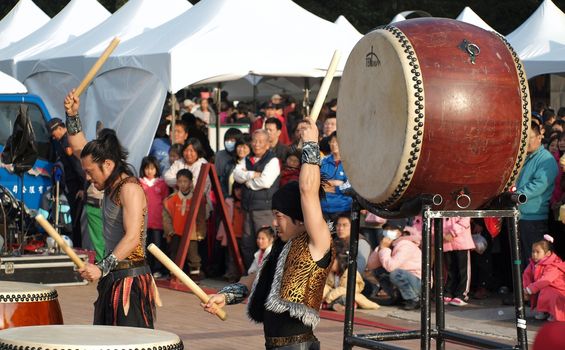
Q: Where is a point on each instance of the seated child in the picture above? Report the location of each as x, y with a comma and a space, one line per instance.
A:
544, 282
291, 168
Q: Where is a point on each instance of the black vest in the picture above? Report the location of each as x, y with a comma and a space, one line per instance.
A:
260, 199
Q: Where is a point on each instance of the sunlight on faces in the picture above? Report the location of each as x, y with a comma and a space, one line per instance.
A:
535, 141
150, 171
273, 132
242, 151
179, 134
184, 184
538, 253
285, 227
95, 173
343, 228
264, 240
330, 125
334, 146
260, 144
190, 155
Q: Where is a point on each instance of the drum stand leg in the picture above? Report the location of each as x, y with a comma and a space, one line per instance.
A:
426, 332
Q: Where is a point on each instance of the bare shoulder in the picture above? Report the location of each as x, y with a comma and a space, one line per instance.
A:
131, 191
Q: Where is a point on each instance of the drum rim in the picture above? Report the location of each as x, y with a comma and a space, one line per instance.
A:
526, 115
35, 293
9, 339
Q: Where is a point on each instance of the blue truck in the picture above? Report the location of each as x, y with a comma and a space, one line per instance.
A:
36, 181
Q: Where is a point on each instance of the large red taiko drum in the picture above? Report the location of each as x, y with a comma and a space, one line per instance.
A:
28, 304
433, 106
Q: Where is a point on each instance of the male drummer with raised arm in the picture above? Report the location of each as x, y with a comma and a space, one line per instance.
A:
124, 269
286, 293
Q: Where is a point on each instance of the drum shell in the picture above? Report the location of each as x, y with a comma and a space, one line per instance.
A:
20, 314
465, 125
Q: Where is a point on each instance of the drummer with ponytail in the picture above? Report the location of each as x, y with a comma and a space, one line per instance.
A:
123, 270
544, 282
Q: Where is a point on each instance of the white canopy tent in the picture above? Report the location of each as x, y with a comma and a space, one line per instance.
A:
78, 17
550, 62
470, 16
52, 73
215, 41
24, 19
344, 24
543, 30
9, 85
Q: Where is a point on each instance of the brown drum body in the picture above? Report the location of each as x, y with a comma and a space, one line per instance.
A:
418, 114
27, 304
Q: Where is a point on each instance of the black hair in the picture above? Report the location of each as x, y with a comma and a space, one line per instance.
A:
275, 121
177, 148
183, 123
268, 230
332, 135
146, 161
535, 128
186, 173
108, 147
244, 139
546, 245
343, 215
232, 133
561, 112
197, 145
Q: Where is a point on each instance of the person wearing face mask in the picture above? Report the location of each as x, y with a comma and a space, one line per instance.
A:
225, 159
400, 256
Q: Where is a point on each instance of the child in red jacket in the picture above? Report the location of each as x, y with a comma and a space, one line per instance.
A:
544, 282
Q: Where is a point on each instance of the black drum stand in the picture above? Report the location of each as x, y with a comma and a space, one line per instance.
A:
438, 332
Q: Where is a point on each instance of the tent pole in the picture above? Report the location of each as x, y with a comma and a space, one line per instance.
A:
219, 109
173, 101
254, 94
306, 99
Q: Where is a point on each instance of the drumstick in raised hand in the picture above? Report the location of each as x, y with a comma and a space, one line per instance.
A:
97, 65
57, 237
175, 270
326, 83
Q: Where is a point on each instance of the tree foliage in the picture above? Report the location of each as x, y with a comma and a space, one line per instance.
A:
502, 15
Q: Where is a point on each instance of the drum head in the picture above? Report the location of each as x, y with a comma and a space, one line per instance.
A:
376, 113
20, 292
88, 338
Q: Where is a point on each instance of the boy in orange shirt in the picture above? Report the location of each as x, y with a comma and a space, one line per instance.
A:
175, 214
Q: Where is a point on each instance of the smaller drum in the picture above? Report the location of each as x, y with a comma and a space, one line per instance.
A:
88, 338
28, 304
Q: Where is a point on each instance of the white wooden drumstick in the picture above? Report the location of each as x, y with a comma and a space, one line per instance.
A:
57, 237
325, 86
97, 65
175, 270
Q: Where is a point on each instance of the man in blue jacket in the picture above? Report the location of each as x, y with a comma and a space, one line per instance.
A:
332, 171
536, 181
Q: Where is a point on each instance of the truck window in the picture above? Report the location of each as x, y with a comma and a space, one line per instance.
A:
9, 112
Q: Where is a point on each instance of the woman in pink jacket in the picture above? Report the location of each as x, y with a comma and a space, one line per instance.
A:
544, 282
457, 245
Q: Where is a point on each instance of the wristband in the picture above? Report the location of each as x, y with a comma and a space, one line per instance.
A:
234, 293
107, 264
311, 153
74, 125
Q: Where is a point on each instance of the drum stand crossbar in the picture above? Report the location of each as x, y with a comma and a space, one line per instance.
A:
426, 332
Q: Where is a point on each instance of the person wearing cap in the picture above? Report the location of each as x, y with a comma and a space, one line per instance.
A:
271, 112
286, 293
276, 99
74, 183
400, 256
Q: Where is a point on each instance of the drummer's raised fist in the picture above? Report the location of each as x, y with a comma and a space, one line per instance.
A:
309, 130
72, 104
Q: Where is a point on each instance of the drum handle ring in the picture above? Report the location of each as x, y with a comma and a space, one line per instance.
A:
472, 49
463, 201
